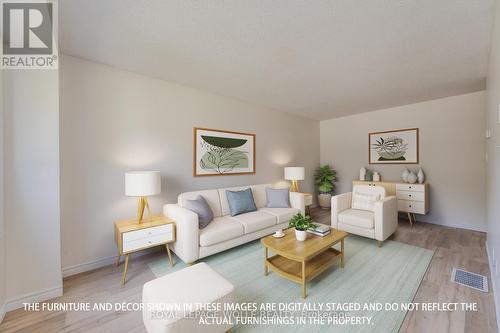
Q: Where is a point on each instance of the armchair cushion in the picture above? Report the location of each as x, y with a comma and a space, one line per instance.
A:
364, 201
357, 217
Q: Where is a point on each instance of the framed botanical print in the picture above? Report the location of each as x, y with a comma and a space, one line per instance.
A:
218, 153
393, 147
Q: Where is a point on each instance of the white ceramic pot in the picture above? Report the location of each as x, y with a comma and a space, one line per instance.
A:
412, 177
325, 200
404, 175
421, 176
300, 235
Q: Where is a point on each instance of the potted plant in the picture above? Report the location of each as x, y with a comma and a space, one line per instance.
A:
301, 224
325, 178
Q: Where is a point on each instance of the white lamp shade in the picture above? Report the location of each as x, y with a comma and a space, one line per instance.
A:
294, 173
142, 183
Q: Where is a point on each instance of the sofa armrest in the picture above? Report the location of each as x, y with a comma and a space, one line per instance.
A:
187, 239
340, 203
386, 217
297, 201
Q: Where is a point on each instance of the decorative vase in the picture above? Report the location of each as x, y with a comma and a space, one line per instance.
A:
421, 176
412, 177
405, 174
369, 175
300, 235
325, 200
376, 176
362, 173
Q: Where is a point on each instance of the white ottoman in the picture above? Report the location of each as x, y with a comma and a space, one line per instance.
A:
197, 284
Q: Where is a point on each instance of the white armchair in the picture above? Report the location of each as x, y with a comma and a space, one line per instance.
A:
366, 211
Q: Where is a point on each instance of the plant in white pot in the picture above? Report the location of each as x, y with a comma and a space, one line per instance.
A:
325, 178
301, 223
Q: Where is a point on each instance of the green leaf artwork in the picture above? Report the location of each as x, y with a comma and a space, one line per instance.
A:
390, 149
221, 155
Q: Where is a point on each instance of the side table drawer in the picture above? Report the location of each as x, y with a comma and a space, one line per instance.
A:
410, 195
410, 187
417, 207
138, 244
149, 232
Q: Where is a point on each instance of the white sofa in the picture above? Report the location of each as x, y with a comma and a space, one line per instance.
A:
377, 222
226, 232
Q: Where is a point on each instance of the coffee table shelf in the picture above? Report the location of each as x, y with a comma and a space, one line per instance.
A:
292, 270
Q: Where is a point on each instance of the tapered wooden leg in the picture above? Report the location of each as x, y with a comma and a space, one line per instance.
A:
304, 293
265, 261
342, 253
379, 243
414, 218
118, 260
409, 218
169, 255
124, 277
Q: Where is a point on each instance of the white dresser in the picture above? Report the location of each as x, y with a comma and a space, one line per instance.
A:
412, 198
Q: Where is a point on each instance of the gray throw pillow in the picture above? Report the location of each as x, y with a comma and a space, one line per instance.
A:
200, 206
240, 201
278, 197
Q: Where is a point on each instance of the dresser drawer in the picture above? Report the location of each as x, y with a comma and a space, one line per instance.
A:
417, 207
410, 195
410, 187
138, 234
133, 245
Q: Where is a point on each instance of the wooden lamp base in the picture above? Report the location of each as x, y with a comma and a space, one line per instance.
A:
295, 186
141, 205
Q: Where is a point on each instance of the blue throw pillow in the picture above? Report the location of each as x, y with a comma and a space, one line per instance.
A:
240, 201
200, 206
278, 197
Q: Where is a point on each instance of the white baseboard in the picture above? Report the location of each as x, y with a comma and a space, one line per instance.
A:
99, 263
473, 227
88, 266
35, 297
493, 286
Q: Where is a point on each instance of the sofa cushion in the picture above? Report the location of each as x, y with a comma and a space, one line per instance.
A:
211, 196
219, 230
282, 214
241, 202
202, 209
259, 195
258, 191
255, 221
278, 197
357, 217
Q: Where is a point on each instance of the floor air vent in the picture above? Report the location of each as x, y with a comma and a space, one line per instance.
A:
470, 280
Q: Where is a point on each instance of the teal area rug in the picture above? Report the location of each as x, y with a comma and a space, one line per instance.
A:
390, 274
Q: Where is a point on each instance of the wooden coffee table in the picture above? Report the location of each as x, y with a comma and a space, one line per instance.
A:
301, 262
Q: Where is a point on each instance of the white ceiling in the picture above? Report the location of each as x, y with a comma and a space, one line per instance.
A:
319, 59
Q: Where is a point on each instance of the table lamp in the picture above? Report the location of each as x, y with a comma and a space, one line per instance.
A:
142, 184
294, 174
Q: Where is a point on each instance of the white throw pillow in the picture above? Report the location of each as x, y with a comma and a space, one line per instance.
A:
364, 201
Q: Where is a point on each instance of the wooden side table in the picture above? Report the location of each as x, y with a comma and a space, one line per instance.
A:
131, 236
308, 201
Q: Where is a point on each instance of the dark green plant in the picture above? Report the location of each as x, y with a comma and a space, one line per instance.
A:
325, 178
301, 223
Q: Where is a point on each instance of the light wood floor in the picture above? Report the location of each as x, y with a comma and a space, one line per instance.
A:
453, 248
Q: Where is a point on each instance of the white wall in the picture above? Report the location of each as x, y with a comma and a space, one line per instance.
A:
452, 153
114, 121
31, 169
493, 165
